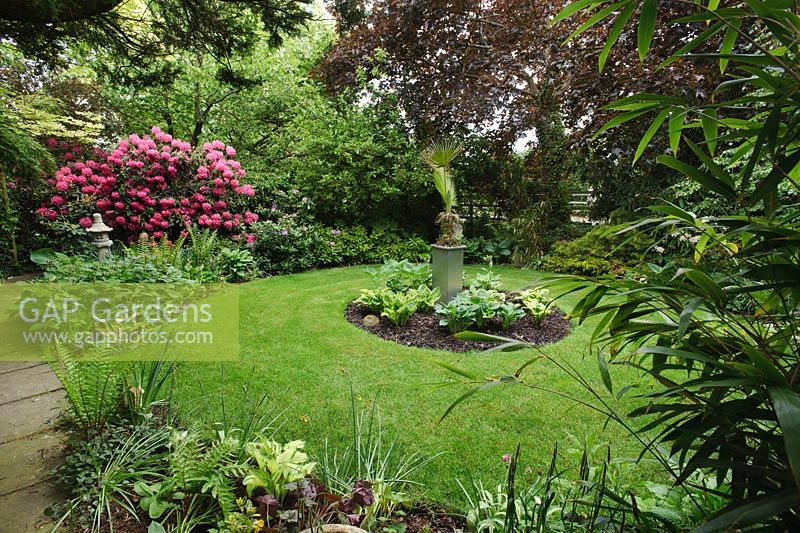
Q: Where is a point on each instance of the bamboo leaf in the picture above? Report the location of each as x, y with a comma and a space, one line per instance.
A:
787, 408
594, 19
769, 185
711, 165
675, 130
694, 43
710, 129
618, 120
613, 35
643, 97
705, 283
728, 41
463, 397
601, 363
651, 131
674, 211
647, 26
705, 179
784, 272
764, 367
700, 247
686, 315
752, 512
574, 8
459, 371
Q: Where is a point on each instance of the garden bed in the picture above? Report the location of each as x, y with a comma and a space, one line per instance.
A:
423, 330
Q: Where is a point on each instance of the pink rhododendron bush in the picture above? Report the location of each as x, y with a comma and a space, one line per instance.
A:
154, 184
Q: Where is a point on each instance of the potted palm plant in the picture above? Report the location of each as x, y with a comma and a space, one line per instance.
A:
447, 254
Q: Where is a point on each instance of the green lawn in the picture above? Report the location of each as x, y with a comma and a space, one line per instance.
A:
298, 348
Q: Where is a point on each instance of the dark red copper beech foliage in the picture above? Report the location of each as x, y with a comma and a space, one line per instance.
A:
502, 63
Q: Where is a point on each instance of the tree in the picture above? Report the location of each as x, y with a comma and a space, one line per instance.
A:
22, 158
180, 58
499, 65
501, 69
139, 31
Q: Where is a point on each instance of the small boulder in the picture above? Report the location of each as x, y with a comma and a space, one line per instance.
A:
371, 321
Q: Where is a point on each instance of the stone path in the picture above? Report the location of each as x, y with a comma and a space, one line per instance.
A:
30, 399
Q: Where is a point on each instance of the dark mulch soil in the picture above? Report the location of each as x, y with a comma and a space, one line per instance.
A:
431, 520
121, 520
24, 277
423, 330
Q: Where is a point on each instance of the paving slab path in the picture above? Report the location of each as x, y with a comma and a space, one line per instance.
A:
31, 398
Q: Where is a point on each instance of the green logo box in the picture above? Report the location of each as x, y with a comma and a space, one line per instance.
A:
124, 321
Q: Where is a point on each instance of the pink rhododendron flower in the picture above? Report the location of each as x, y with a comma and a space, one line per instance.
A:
162, 177
246, 190
85, 222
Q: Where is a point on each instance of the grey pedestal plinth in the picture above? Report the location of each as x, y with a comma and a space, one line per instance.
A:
448, 270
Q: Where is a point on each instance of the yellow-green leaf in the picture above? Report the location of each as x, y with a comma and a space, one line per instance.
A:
619, 25
647, 26
710, 128
654, 126
675, 129
728, 41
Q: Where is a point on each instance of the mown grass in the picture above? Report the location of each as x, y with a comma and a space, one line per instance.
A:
297, 348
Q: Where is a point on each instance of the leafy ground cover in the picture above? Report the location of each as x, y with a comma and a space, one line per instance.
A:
298, 349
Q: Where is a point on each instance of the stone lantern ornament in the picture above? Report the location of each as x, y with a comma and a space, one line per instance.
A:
99, 232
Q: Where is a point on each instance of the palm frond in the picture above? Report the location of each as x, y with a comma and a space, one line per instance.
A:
441, 153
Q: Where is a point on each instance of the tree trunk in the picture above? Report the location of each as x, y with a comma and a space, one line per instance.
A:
198, 116
165, 112
12, 238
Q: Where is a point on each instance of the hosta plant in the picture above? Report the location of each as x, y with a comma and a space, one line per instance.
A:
536, 302
473, 307
509, 312
537, 310
398, 307
236, 264
425, 297
278, 466
374, 298
537, 294
487, 280
484, 302
400, 275
456, 317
